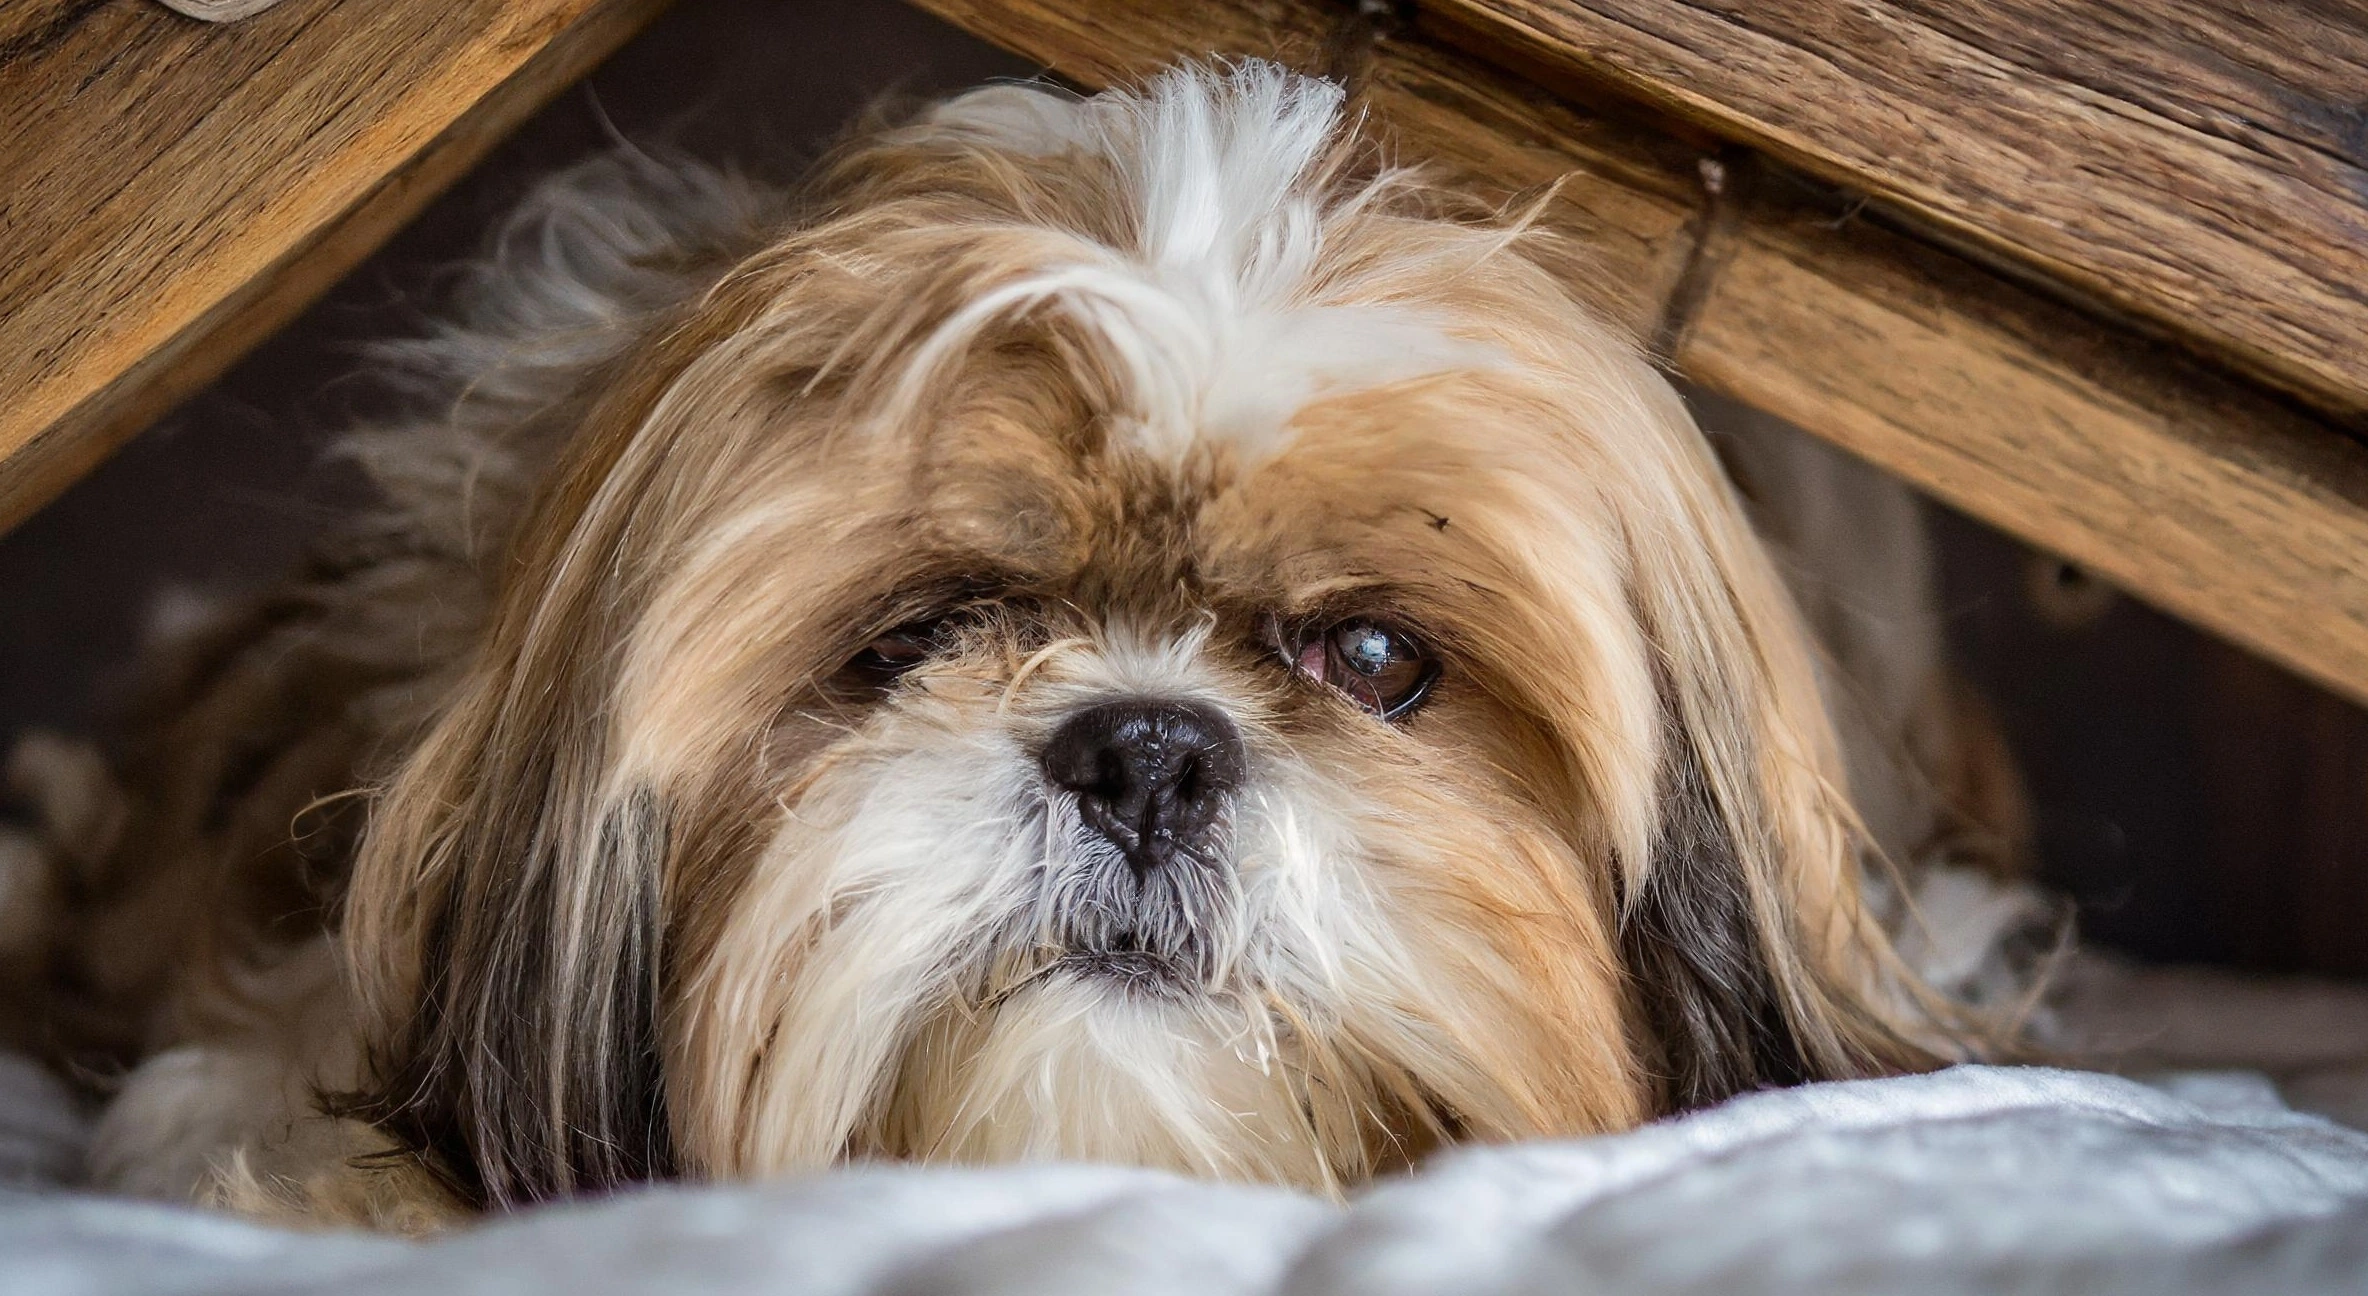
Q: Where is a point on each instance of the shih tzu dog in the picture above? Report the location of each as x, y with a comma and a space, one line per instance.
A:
1120, 628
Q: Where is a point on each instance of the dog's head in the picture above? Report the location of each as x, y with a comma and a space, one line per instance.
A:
1133, 632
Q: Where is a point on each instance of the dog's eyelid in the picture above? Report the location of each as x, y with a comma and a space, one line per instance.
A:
910, 640
905, 643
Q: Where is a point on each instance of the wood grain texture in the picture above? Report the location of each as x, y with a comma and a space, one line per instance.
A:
2200, 164
2206, 496
2214, 503
176, 190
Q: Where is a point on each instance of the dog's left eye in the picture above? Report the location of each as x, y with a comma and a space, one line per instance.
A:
1379, 666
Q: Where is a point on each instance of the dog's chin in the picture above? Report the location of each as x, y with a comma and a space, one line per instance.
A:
1106, 1057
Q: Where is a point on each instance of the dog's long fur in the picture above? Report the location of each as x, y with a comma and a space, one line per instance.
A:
646, 885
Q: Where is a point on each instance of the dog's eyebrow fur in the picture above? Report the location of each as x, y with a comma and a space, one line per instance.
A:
1208, 306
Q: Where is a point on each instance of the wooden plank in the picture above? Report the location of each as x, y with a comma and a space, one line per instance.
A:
2203, 495
2214, 503
2199, 164
177, 190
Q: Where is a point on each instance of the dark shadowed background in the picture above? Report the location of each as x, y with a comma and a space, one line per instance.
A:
2200, 804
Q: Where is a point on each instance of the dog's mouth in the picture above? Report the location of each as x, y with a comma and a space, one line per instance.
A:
1123, 963
1121, 960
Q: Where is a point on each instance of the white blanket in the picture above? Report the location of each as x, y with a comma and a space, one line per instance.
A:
1974, 1179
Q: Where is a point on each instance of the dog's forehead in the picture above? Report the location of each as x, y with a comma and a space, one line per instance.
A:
1179, 338
1194, 256
1359, 487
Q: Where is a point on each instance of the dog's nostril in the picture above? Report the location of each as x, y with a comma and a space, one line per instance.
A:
1151, 777
1110, 778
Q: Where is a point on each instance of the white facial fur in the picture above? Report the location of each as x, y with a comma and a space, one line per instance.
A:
939, 853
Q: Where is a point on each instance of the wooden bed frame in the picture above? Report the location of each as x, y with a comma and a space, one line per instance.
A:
2095, 271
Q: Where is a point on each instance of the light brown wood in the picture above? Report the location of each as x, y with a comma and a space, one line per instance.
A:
176, 190
218, 10
2198, 163
2215, 504
2203, 495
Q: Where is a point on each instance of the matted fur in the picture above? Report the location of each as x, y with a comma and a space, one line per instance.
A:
648, 886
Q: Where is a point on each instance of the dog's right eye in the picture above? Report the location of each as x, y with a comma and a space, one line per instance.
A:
897, 651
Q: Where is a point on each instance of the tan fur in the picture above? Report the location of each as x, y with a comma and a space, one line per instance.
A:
610, 917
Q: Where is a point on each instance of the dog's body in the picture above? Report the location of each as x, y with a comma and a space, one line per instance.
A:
1115, 628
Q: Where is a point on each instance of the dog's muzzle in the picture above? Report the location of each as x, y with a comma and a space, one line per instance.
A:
1154, 784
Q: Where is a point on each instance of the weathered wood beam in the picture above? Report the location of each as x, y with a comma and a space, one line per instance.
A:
2200, 164
2193, 491
2205, 496
177, 190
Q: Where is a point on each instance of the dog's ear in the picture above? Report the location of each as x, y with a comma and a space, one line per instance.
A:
1700, 958
1755, 959
518, 964
506, 923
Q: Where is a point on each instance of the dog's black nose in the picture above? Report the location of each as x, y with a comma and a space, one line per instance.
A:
1152, 777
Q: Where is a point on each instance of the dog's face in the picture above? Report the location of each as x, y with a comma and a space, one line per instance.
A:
1127, 637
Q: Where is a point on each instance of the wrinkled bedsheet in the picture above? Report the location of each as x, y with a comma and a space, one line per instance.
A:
1972, 1179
